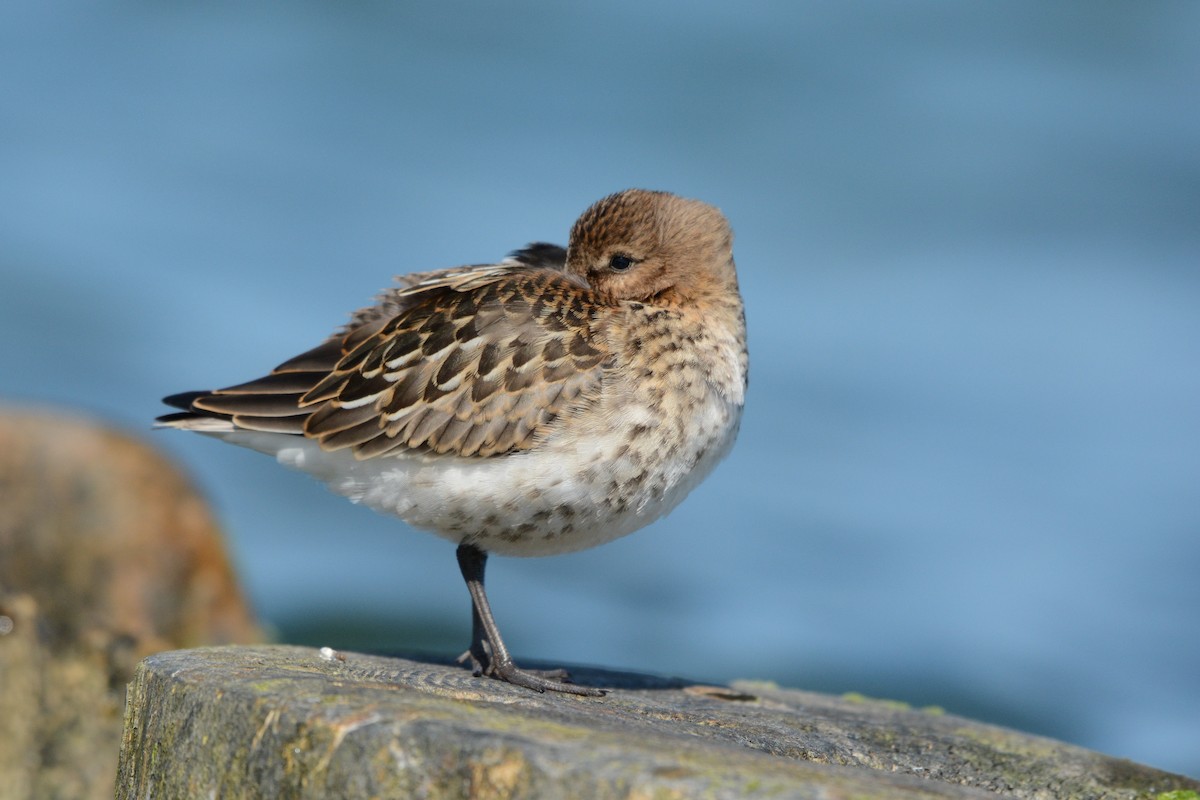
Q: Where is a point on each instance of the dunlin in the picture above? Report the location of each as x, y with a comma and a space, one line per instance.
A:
551, 402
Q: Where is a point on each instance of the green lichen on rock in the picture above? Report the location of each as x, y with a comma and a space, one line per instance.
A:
895, 705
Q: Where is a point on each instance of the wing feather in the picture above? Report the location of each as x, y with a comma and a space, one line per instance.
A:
475, 362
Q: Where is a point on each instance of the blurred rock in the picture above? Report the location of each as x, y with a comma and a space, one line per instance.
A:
107, 554
302, 723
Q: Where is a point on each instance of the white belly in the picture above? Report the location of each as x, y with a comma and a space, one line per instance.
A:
570, 493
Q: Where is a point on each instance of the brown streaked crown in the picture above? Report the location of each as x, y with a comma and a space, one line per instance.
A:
653, 246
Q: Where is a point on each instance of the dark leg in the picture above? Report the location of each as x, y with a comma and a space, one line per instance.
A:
487, 653
477, 653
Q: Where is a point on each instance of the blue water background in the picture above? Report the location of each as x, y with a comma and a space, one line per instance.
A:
969, 242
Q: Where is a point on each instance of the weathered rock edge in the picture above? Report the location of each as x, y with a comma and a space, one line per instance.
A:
287, 722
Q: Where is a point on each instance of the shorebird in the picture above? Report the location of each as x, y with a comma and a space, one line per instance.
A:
547, 403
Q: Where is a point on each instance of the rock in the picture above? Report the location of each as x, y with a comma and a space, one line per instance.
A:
296, 722
106, 555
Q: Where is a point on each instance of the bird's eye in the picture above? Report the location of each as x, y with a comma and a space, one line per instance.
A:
620, 263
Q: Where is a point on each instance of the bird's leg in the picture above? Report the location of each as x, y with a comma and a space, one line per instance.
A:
477, 653
487, 653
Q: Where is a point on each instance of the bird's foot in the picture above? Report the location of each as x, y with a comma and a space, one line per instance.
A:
540, 680
477, 661
550, 680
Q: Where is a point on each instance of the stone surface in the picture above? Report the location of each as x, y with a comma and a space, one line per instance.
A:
293, 722
106, 555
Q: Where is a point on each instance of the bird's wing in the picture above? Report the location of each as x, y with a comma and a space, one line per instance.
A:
472, 362
390, 302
